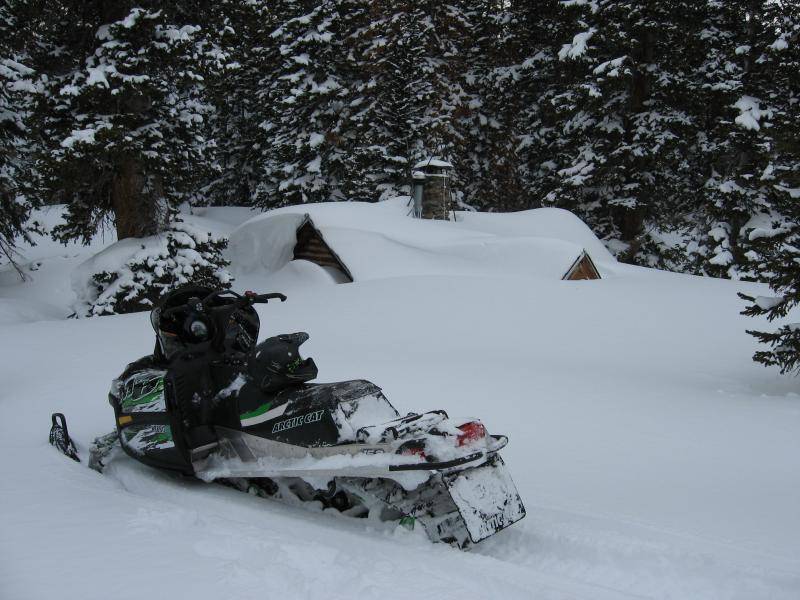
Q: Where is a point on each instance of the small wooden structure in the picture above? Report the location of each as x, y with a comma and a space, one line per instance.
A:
311, 246
582, 268
436, 199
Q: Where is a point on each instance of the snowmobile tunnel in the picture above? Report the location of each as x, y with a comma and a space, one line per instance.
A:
311, 246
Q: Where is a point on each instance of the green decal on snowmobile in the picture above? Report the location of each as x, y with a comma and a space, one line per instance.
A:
144, 394
142, 439
265, 412
257, 412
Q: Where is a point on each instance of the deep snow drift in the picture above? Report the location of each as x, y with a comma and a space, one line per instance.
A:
655, 459
379, 241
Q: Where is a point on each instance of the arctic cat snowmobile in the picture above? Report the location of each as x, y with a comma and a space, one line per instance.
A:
212, 404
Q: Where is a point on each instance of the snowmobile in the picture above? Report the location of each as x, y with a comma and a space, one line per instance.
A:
212, 404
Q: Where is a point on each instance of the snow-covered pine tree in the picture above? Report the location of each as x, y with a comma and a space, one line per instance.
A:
738, 145
377, 132
243, 30
303, 97
534, 34
406, 67
17, 173
775, 245
182, 254
490, 113
616, 129
436, 44
779, 261
125, 112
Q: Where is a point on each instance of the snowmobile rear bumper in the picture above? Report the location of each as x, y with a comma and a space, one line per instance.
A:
486, 498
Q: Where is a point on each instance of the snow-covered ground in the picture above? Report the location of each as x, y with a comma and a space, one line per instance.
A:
655, 459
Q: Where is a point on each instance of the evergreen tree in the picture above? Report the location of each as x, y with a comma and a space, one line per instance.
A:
243, 30
437, 42
737, 142
535, 34
182, 255
125, 112
775, 245
616, 130
779, 248
377, 128
361, 92
17, 173
406, 62
492, 107
303, 96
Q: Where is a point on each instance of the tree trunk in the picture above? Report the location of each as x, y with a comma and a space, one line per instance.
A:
136, 210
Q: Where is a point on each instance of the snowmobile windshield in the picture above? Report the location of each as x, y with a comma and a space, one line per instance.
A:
167, 334
170, 344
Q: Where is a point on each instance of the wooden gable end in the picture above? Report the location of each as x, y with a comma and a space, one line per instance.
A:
582, 268
311, 246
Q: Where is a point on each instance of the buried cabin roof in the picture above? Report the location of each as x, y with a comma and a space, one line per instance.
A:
368, 241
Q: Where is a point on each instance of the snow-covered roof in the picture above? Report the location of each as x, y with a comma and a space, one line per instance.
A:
379, 241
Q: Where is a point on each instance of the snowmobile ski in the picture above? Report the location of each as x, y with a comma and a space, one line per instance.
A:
59, 437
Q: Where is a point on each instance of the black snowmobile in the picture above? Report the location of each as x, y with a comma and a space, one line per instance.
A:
213, 404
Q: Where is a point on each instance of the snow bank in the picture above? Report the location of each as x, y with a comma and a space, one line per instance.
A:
15, 312
655, 459
380, 241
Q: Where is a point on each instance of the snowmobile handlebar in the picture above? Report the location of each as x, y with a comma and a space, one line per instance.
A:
205, 320
264, 298
238, 301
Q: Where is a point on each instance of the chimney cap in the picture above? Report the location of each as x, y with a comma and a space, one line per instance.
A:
433, 162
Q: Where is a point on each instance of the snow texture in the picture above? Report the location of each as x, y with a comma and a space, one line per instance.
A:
578, 46
654, 458
380, 241
750, 114
433, 162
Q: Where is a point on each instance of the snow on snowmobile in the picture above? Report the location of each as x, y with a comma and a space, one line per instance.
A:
212, 404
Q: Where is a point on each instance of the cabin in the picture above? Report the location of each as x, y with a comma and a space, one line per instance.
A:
345, 242
311, 246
